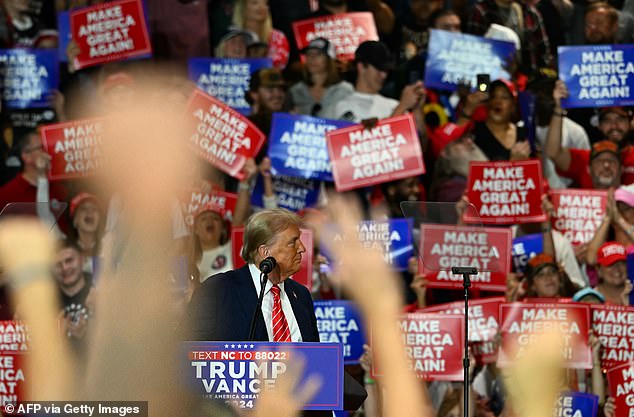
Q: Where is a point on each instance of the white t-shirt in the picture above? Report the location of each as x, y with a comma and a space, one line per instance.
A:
360, 106
215, 261
573, 136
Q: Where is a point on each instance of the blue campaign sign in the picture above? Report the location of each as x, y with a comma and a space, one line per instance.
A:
297, 145
524, 248
339, 321
226, 79
597, 75
292, 193
65, 36
237, 372
29, 77
392, 236
577, 404
455, 58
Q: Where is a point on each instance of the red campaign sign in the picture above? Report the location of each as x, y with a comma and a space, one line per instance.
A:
346, 31
614, 326
304, 276
74, 147
523, 322
578, 213
621, 383
389, 151
14, 345
434, 343
505, 192
444, 246
224, 137
109, 32
218, 200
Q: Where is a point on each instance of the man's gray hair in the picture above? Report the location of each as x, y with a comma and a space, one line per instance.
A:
262, 229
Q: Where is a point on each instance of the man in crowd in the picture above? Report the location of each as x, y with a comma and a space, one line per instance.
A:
224, 306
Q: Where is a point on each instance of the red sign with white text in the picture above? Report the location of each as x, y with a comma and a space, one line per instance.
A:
389, 151
505, 192
74, 147
434, 343
444, 246
621, 383
108, 32
219, 201
578, 213
521, 323
304, 276
14, 346
223, 136
614, 326
345, 31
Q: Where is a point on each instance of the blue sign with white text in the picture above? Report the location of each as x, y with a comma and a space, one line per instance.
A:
238, 372
291, 193
524, 248
597, 75
226, 79
392, 236
29, 77
339, 321
456, 58
297, 145
577, 404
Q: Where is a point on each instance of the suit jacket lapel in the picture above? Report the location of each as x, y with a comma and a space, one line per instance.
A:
299, 310
247, 295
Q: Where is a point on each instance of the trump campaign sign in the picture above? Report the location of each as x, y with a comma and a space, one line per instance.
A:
444, 246
456, 58
14, 346
297, 145
29, 77
614, 326
621, 383
339, 321
74, 147
525, 247
220, 201
522, 323
345, 31
112, 31
237, 372
597, 75
304, 276
578, 213
221, 135
433, 343
291, 193
576, 404
389, 151
505, 192
484, 324
226, 79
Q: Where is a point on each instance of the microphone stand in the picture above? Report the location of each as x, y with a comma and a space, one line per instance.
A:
258, 308
466, 284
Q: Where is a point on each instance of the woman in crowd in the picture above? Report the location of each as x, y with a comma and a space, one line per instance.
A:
321, 86
497, 135
545, 279
255, 16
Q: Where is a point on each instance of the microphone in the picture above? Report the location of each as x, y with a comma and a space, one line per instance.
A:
267, 265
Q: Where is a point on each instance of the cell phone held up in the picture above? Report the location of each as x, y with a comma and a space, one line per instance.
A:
483, 81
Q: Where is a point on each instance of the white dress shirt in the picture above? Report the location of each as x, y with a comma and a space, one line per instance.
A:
267, 306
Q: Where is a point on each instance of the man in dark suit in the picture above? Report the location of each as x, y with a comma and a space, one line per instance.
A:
222, 308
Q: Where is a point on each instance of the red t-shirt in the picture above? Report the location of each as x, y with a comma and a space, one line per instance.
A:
19, 190
579, 170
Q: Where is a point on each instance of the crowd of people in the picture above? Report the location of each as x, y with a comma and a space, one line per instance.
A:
93, 221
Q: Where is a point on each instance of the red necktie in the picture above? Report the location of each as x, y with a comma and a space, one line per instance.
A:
281, 333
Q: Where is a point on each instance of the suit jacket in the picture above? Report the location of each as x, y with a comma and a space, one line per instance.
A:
222, 307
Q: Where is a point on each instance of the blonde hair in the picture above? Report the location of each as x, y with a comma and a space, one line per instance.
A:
239, 20
262, 229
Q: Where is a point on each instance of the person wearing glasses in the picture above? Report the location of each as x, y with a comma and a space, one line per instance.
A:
321, 86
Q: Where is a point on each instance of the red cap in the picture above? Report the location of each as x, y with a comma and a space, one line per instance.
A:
611, 252
79, 199
506, 83
446, 134
221, 211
